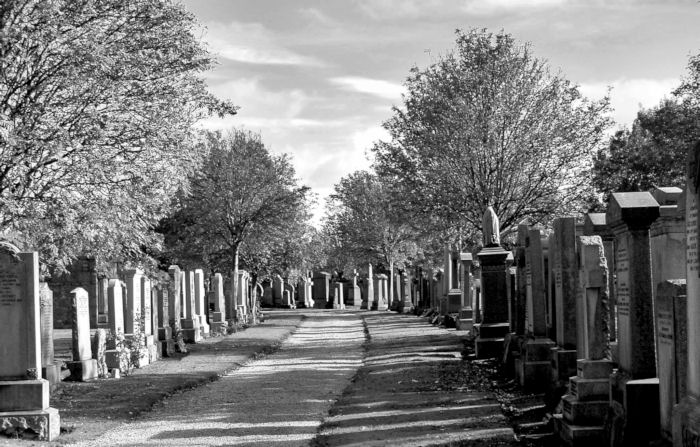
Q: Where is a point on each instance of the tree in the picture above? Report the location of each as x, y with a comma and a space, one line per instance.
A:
367, 223
488, 124
652, 153
241, 193
97, 105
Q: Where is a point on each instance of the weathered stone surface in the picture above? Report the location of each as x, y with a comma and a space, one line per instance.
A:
99, 347
630, 216
593, 288
535, 286
174, 312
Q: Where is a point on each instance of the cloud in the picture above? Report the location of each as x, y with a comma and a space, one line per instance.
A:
490, 7
252, 43
629, 95
431, 9
375, 87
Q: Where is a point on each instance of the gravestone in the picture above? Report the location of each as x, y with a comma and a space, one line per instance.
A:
83, 367
199, 302
671, 331
634, 389
189, 324
585, 406
288, 296
24, 396
174, 312
491, 331
148, 311
321, 289
465, 319
219, 315
533, 365
243, 299
596, 224
277, 290
405, 303
562, 248
102, 307
354, 296
115, 302
99, 349
369, 296
338, 297
50, 369
164, 331
132, 309
686, 415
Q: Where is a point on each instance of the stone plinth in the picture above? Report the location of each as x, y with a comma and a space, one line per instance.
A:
494, 326
24, 396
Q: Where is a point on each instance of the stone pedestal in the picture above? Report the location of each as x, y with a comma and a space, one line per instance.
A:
533, 367
82, 370
494, 326
191, 332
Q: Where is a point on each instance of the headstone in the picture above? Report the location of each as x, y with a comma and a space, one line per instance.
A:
634, 390
494, 326
132, 310
369, 298
174, 297
533, 366
585, 406
671, 329
99, 349
354, 296
219, 315
277, 290
596, 224
165, 331
562, 248
102, 307
190, 326
113, 355
321, 289
466, 312
686, 415
83, 367
50, 369
199, 302
24, 396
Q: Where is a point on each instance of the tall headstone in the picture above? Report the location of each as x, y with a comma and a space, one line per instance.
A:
368, 298
199, 302
321, 289
491, 331
165, 331
686, 415
671, 332
132, 310
585, 406
277, 289
102, 307
174, 292
24, 395
50, 369
533, 366
596, 224
634, 389
83, 367
115, 302
191, 331
354, 297
466, 312
562, 248
219, 314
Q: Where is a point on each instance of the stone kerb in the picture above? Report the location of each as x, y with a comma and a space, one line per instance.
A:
83, 367
24, 396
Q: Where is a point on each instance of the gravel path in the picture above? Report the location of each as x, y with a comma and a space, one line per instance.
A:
278, 400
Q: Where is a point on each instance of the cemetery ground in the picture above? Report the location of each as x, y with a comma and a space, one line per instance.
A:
323, 378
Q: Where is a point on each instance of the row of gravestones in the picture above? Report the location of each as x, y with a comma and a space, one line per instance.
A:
141, 322
597, 312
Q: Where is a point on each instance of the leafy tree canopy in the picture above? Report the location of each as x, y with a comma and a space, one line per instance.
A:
97, 105
489, 124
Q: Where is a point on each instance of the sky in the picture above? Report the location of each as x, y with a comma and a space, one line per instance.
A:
318, 78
